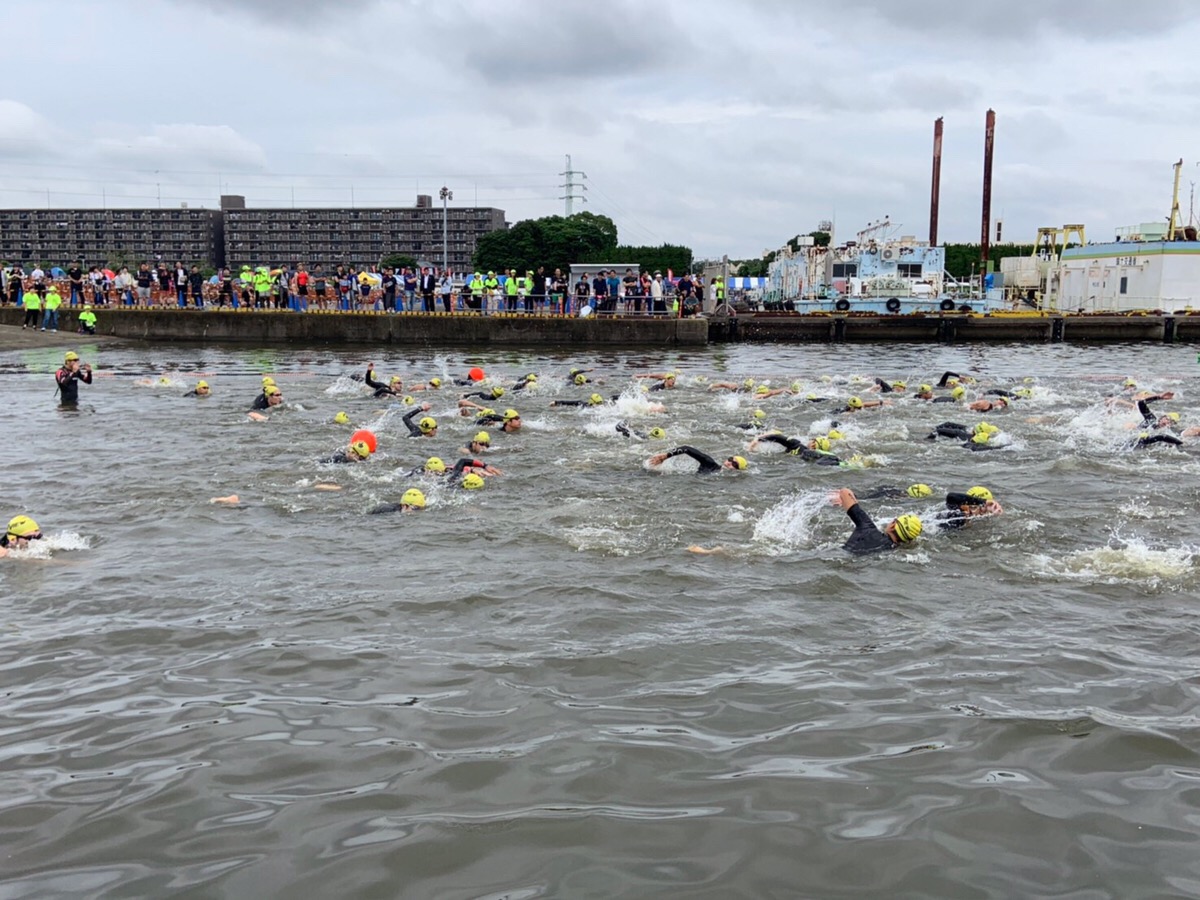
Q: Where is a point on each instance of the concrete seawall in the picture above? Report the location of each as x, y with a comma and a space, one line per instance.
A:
262, 327
437, 329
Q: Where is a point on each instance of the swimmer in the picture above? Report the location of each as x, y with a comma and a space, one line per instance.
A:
708, 465
201, 390
509, 422
955, 395
470, 408
745, 387
1146, 439
763, 392
412, 500
666, 380
494, 394
960, 507
481, 443
394, 388
1150, 419
270, 397
816, 450
924, 392
813, 398
427, 427
951, 430
953, 378
21, 530
69, 376
341, 419
867, 538
998, 405
855, 404
889, 387
757, 423
356, 452
231, 500
529, 380
887, 492
594, 400
578, 376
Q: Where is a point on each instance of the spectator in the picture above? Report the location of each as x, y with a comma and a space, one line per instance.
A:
410, 287
51, 303
658, 301
145, 281
389, 290
124, 286
320, 286
301, 288
75, 282
447, 288
181, 280
164, 284
582, 293
600, 292
15, 286
225, 290
196, 283
428, 288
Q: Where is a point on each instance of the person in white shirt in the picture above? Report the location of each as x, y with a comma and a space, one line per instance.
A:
656, 294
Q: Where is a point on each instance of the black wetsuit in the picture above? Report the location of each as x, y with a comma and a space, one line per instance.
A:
68, 384
946, 376
999, 392
976, 448
381, 389
661, 386
261, 402
950, 430
883, 492
194, 393
340, 457
482, 395
944, 400
385, 508
884, 387
413, 430
490, 419
624, 429
1157, 439
867, 538
570, 403
708, 465
956, 514
797, 447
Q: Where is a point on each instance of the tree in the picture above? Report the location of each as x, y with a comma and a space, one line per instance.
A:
552, 241
675, 257
396, 260
962, 259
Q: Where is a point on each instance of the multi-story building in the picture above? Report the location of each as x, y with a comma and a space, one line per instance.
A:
332, 237
111, 236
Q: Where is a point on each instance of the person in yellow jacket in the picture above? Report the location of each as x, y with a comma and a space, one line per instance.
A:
525, 290
491, 286
476, 289
262, 287
52, 302
510, 290
33, 306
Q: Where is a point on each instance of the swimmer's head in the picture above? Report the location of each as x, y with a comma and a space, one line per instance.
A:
958, 392
510, 414
925, 388
342, 419
917, 491
759, 415
24, 528
748, 384
413, 499
1023, 393
1129, 383
819, 443
427, 425
497, 392
907, 527
71, 356
408, 400
435, 382
202, 387
979, 493
395, 381
1173, 416
434, 465
899, 386
472, 482
762, 389
580, 378
835, 435
595, 400
657, 434
1003, 401
811, 396
855, 403
981, 438
361, 449
483, 439
164, 380
268, 381
737, 462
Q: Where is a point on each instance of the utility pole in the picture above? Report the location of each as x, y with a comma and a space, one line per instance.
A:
446, 194
571, 186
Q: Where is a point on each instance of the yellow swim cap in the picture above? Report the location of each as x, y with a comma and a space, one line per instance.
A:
748, 383
580, 378
395, 380
200, 385
1023, 393
428, 425
811, 396
821, 443
657, 433
835, 435
762, 389
908, 528
739, 462
1129, 382
916, 491
414, 498
497, 392
482, 438
981, 438
22, 526
1173, 416
510, 414
71, 356
361, 449
595, 400
408, 399
435, 382
164, 380
925, 388
342, 419
270, 390
487, 412
979, 493
958, 392
855, 403
435, 464
952, 381
759, 414
268, 381
472, 482
899, 386
530, 378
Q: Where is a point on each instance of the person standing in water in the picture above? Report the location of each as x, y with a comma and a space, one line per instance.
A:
69, 376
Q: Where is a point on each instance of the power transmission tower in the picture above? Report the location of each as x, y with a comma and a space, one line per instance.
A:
571, 186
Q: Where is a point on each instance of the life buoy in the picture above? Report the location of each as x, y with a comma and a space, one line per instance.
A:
966, 307
842, 305
893, 305
946, 305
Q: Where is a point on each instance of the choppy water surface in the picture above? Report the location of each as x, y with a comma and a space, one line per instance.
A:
536, 691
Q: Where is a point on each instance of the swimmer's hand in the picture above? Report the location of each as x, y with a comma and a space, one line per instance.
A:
844, 498
257, 417
231, 500
657, 459
705, 551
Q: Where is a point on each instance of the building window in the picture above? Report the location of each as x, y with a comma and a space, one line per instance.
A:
1124, 284
845, 270
909, 270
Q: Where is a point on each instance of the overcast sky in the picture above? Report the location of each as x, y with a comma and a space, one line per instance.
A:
726, 126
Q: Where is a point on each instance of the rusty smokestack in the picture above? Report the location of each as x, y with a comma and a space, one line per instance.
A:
935, 189
989, 143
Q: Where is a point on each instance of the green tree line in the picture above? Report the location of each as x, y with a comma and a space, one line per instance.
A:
558, 241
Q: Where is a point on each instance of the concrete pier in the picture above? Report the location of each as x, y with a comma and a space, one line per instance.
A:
263, 327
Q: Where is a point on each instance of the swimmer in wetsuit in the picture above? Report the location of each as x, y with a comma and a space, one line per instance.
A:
356, 452
1146, 439
816, 450
867, 537
509, 422
271, 396
855, 404
1150, 419
888, 492
413, 500
201, 390
708, 465
69, 376
394, 389
998, 405
961, 507
494, 394
427, 427
594, 400
21, 530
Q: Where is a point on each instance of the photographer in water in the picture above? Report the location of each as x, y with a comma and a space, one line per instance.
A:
69, 376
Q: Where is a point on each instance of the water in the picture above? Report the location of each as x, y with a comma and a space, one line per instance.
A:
536, 691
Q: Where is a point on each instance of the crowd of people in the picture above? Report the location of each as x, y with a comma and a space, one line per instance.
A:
360, 289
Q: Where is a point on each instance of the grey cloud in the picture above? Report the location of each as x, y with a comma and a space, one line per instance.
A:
284, 13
